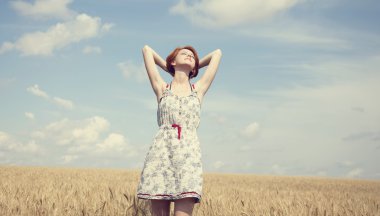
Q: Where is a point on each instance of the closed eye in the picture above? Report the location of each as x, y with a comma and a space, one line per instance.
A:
188, 55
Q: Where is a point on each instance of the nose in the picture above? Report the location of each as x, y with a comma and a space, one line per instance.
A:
189, 55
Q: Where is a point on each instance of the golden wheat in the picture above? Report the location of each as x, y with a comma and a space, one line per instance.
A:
74, 191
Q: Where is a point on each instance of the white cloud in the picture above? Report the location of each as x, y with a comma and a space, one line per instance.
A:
4, 137
68, 158
251, 130
132, 70
9, 143
29, 115
37, 135
354, 173
247, 165
224, 13
85, 137
30, 146
92, 49
278, 170
6, 46
114, 142
218, 164
106, 27
35, 89
44, 8
74, 132
64, 103
57, 36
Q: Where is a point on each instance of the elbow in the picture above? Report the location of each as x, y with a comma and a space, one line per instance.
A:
218, 52
145, 48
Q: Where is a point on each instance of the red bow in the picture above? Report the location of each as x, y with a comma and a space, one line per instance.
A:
178, 129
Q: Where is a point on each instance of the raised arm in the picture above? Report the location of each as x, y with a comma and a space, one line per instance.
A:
212, 60
151, 58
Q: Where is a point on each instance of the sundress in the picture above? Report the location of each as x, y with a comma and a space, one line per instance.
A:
173, 167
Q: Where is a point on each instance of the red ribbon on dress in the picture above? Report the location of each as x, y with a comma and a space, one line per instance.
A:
178, 129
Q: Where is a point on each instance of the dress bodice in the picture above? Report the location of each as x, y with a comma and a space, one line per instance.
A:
181, 110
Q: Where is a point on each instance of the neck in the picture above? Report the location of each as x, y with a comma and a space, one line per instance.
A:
181, 77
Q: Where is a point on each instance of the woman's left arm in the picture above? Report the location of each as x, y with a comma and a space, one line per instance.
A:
212, 60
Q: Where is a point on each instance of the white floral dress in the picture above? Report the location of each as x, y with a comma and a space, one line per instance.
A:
173, 168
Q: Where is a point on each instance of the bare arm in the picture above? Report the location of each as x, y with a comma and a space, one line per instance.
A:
212, 60
151, 58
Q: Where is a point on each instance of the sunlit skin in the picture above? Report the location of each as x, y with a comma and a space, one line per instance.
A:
182, 68
183, 64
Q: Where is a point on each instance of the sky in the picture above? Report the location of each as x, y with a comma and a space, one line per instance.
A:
296, 92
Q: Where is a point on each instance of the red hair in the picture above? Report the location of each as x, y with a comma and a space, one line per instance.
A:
174, 53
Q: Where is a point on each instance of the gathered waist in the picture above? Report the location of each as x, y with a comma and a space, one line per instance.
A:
173, 126
178, 128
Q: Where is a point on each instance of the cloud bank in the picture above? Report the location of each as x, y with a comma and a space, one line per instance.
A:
225, 13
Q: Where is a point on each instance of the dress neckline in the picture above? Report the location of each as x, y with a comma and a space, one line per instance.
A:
179, 96
169, 92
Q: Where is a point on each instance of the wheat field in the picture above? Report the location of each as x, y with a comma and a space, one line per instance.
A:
79, 191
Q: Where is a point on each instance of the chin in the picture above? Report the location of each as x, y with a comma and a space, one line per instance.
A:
190, 65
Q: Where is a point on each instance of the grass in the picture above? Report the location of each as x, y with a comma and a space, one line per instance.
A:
75, 191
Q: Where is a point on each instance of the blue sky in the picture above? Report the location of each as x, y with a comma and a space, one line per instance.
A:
295, 93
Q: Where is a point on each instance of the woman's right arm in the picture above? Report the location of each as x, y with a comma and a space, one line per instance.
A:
151, 58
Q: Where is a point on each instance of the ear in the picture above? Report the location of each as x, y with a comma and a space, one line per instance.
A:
173, 63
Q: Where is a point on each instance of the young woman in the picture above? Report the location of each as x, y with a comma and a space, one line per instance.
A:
173, 170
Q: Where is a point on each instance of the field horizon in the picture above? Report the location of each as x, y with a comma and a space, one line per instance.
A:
206, 172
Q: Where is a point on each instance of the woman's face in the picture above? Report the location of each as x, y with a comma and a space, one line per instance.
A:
185, 56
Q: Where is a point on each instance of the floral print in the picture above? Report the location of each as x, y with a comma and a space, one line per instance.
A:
172, 168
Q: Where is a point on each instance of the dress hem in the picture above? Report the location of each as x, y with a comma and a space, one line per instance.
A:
171, 197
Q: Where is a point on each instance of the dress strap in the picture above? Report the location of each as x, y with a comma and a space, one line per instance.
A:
164, 93
191, 86
170, 86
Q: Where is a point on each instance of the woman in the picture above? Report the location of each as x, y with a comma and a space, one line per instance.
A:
173, 170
